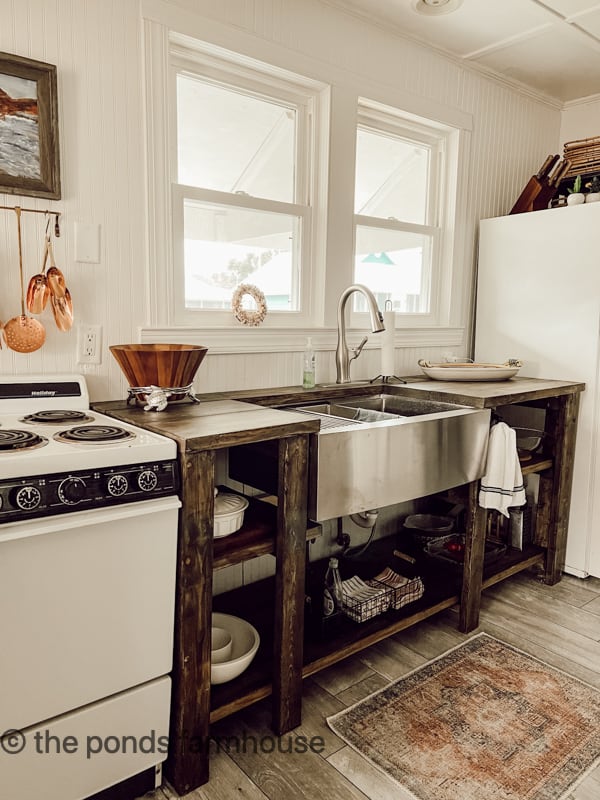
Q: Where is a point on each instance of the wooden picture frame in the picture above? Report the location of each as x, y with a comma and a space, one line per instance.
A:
29, 151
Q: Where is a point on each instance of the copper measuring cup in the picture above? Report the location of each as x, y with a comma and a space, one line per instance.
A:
38, 291
23, 334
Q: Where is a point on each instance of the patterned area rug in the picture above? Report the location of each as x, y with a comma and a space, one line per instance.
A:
482, 721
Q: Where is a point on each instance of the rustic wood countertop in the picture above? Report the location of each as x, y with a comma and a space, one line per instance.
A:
224, 419
477, 394
213, 423
491, 394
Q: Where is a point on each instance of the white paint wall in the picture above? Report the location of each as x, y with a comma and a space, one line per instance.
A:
97, 47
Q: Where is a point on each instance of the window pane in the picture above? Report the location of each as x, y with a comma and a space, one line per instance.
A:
396, 266
391, 177
226, 246
233, 142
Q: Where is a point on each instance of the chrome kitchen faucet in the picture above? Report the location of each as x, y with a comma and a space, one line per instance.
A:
342, 353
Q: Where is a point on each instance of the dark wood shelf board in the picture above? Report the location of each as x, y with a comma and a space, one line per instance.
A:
537, 464
256, 537
256, 600
514, 562
227, 708
318, 657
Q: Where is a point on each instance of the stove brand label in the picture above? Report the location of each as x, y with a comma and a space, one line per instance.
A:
10, 391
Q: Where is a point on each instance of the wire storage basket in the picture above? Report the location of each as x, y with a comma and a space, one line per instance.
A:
363, 600
405, 590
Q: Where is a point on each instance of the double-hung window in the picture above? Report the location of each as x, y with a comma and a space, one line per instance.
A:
400, 167
243, 188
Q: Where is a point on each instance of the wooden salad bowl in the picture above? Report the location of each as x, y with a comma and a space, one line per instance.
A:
168, 366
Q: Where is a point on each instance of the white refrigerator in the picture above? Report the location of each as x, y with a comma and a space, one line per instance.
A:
538, 300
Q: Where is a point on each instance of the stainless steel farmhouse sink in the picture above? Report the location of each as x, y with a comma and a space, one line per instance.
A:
382, 449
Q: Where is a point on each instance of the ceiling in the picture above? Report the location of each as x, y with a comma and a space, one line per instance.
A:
552, 46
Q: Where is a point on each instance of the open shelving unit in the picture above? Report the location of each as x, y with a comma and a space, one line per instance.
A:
277, 607
345, 637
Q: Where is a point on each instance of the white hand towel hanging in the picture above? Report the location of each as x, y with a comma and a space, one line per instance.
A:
502, 485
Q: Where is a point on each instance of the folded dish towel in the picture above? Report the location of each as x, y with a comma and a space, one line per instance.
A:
502, 485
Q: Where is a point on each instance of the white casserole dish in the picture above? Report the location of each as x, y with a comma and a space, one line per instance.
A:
229, 513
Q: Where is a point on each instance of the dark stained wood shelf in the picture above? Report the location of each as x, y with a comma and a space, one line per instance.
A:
537, 464
255, 603
442, 591
256, 537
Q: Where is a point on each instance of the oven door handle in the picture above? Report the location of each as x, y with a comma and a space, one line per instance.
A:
80, 519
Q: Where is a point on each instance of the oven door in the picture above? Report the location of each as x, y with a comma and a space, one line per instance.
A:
87, 603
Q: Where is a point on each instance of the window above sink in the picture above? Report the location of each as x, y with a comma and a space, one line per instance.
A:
292, 219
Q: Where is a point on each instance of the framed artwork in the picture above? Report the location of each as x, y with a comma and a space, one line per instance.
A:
29, 154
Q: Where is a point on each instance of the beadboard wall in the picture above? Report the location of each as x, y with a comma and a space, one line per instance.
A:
98, 49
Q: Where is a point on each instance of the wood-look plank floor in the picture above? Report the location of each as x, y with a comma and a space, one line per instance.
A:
558, 624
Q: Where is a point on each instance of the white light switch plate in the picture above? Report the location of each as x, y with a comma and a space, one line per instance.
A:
87, 242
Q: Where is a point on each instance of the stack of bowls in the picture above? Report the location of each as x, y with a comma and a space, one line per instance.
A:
234, 646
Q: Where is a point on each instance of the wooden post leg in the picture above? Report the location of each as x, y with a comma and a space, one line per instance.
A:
473, 566
561, 423
187, 764
289, 583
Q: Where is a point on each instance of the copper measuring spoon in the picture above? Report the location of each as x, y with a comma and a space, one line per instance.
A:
23, 334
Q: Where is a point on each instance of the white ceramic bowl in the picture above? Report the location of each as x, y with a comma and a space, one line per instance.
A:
221, 645
229, 513
245, 642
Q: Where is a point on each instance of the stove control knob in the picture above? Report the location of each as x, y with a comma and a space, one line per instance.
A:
117, 485
147, 480
71, 491
28, 498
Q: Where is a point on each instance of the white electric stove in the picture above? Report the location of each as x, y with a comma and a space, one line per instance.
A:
88, 538
57, 456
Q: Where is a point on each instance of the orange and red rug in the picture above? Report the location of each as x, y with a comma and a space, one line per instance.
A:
483, 720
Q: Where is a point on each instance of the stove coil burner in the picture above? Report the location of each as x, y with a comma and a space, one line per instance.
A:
94, 434
57, 417
20, 440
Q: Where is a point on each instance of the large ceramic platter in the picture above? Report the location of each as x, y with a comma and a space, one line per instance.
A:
470, 372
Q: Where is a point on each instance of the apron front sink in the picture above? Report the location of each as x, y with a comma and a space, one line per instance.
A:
383, 449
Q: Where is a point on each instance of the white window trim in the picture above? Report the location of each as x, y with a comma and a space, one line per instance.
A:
190, 317
440, 214
158, 21
165, 53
